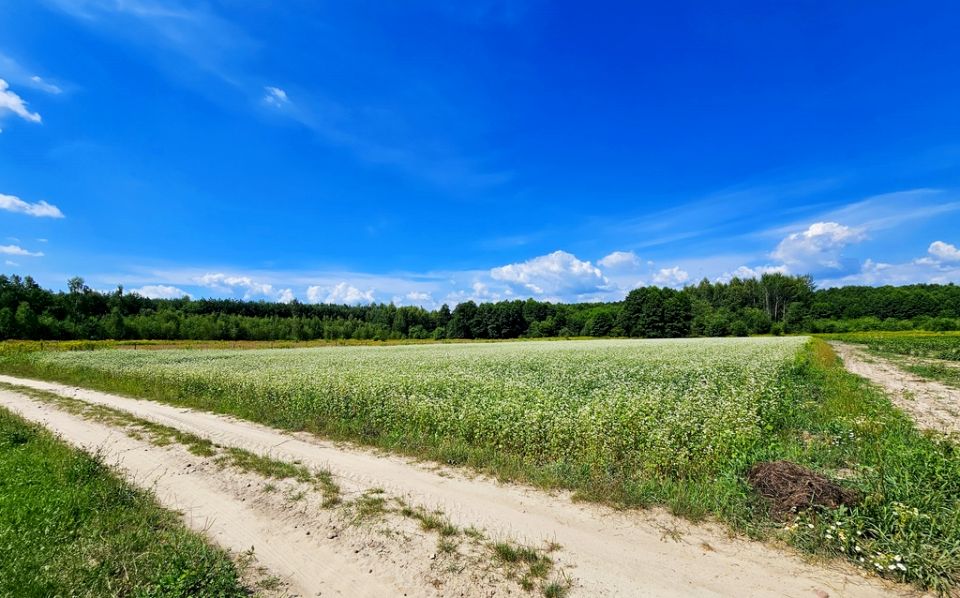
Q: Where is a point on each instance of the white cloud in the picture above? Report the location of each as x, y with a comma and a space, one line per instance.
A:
880, 273
11, 263
285, 296
275, 96
341, 294
46, 86
620, 259
41, 209
744, 272
671, 277
817, 246
11, 102
228, 284
944, 251
17, 250
939, 267
553, 274
160, 291
417, 296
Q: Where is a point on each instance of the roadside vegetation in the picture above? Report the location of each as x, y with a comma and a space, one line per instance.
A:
934, 356
673, 423
945, 346
69, 527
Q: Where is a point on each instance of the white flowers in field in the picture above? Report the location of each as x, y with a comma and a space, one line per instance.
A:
661, 407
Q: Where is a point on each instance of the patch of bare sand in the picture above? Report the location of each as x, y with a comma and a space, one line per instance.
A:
605, 552
933, 405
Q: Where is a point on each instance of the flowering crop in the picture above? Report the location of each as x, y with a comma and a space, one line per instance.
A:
657, 407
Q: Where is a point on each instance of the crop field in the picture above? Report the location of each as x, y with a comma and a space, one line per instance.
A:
667, 407
677, 423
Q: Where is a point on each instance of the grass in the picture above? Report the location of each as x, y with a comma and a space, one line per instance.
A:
531, 565
948, 374
371, 506
69, 527
825, 418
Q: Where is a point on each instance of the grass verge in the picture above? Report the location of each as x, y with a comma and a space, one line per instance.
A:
69, 527
907, 526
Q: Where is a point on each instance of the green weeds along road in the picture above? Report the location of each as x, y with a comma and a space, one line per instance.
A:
69, 527
634, 423
915, 344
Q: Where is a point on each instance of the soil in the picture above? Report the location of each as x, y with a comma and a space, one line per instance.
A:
603, 552
932, 405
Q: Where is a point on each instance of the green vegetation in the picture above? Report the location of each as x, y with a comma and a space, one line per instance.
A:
948, 374
773, 304
68, 527
935, 356
633, 423
913, 344
582, 407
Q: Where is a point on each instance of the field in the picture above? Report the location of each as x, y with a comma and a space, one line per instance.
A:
673, 422
69, 527
665, 407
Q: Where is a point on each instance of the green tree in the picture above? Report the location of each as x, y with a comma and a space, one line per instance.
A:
28, 325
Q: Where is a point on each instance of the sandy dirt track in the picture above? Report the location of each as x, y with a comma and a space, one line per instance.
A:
932, 405
604, 552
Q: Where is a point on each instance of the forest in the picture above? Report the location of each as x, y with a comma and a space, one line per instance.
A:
772, 304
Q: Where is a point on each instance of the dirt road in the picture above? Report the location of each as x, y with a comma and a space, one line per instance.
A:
932, 405
603, 552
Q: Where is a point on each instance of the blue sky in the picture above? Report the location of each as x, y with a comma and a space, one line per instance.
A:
426, 151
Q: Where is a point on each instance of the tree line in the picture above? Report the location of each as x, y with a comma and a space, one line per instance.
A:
773, 304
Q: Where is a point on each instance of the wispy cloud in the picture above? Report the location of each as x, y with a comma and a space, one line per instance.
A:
12, 71
367, 128
17, 250
40, 209
190, 29
13, 103
44, 85
881, 212
275, 97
